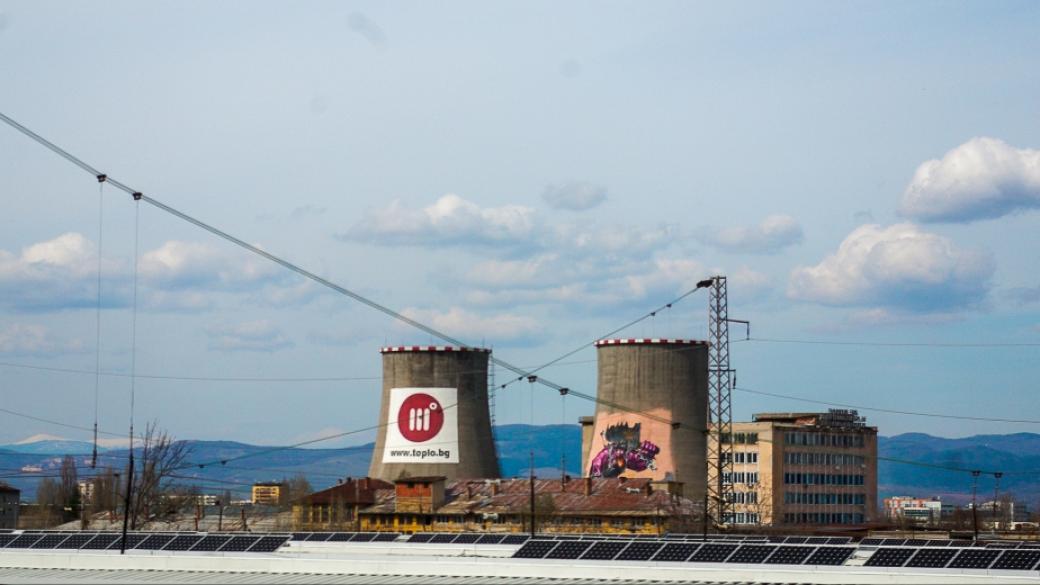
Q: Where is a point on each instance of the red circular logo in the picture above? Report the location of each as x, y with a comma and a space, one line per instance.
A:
420, 418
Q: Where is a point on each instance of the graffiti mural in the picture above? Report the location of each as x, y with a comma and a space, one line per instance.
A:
623, 450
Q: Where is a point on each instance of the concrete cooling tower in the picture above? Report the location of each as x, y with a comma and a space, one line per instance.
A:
667, 381
434, 415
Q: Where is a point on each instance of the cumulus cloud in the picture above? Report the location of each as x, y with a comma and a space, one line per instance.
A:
58, 274
451, 220
775, 233
980, 179
259, 335
899, 267
31, 339
574, 195
458, 322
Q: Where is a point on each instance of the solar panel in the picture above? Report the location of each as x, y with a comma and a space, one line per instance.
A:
300, 535
973, 558
1017, 560
936, 542
24, 540
467, 538
816, 540
961, 543
752, 553
132, 541
211, 543
443, 538
364, 537
340, 537
239, 544
776, 539
101, 541
386, 536
535, 549
795, 540
420, 537
76, 541
570, 549
890, 557
6, 538
871, 541
893, 542
182, 543
604, 550
915, 542
156, 542
838, 540
1002, 545
676, 552
320, 536
268, 544
491, 539
790, 555
830, 555
713, 553
515, 539
934, 558
49, 541
639, 551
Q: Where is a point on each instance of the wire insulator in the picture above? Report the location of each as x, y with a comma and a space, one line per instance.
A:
102, 178
137, 195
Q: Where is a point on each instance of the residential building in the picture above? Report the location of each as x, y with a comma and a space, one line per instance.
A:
267, 493
916, 511
600, 505
9, 499
802, 469
86, 492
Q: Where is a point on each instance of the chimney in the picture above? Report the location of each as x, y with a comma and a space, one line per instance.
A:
588, 486
469, 491
494, 488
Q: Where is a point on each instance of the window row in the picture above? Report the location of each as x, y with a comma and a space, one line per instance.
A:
824, 439
740, 438
740, 518
741, 457
742, 497
746, 477
822, 518
823, 479
818, 499
802, 458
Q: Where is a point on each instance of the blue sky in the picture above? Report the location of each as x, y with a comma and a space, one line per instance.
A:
527, 176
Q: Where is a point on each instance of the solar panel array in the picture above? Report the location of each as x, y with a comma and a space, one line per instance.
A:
152, 541
347, 536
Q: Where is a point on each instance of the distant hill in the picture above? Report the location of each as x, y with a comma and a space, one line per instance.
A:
1013, 454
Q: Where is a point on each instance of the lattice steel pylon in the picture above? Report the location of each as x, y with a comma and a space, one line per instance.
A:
720, 405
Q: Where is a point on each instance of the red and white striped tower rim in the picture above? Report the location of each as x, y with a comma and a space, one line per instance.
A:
650, 341
431, 349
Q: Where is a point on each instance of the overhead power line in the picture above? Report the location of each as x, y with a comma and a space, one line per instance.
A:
933, 344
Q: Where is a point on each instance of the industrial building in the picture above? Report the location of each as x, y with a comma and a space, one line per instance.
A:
918, 512
338, 507
651, 416
803, 469
434, 415
9, 502
590, 505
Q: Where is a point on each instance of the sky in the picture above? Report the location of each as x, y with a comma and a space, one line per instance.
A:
527, 177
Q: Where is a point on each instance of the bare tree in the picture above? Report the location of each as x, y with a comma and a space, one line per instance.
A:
70, 496
106, 491
293, 489
161, 457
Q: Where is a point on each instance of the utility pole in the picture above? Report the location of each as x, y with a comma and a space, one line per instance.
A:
532, 493
974, 505
996, 491
127, 500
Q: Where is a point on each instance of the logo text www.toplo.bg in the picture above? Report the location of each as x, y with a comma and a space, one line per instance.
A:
422, 426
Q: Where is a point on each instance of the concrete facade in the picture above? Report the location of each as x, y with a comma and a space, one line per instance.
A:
465, 369
804, 470
651, 421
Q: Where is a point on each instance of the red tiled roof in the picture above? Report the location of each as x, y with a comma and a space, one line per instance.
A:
355, 491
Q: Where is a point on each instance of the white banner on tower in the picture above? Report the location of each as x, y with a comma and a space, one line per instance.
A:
422, 426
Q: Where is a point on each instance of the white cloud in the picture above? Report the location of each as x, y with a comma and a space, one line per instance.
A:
451, 220
899, 267
772, 235
186, 265
259, 335
575, 195
58, 274
31, 339
460, 323
980, 179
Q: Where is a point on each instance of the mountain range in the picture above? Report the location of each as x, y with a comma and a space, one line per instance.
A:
931, 474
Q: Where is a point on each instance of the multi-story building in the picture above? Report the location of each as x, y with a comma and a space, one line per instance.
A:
916, 511
802, 469
9, 499
267, 493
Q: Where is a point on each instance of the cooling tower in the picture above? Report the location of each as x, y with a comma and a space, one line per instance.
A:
645, 387
434, 418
